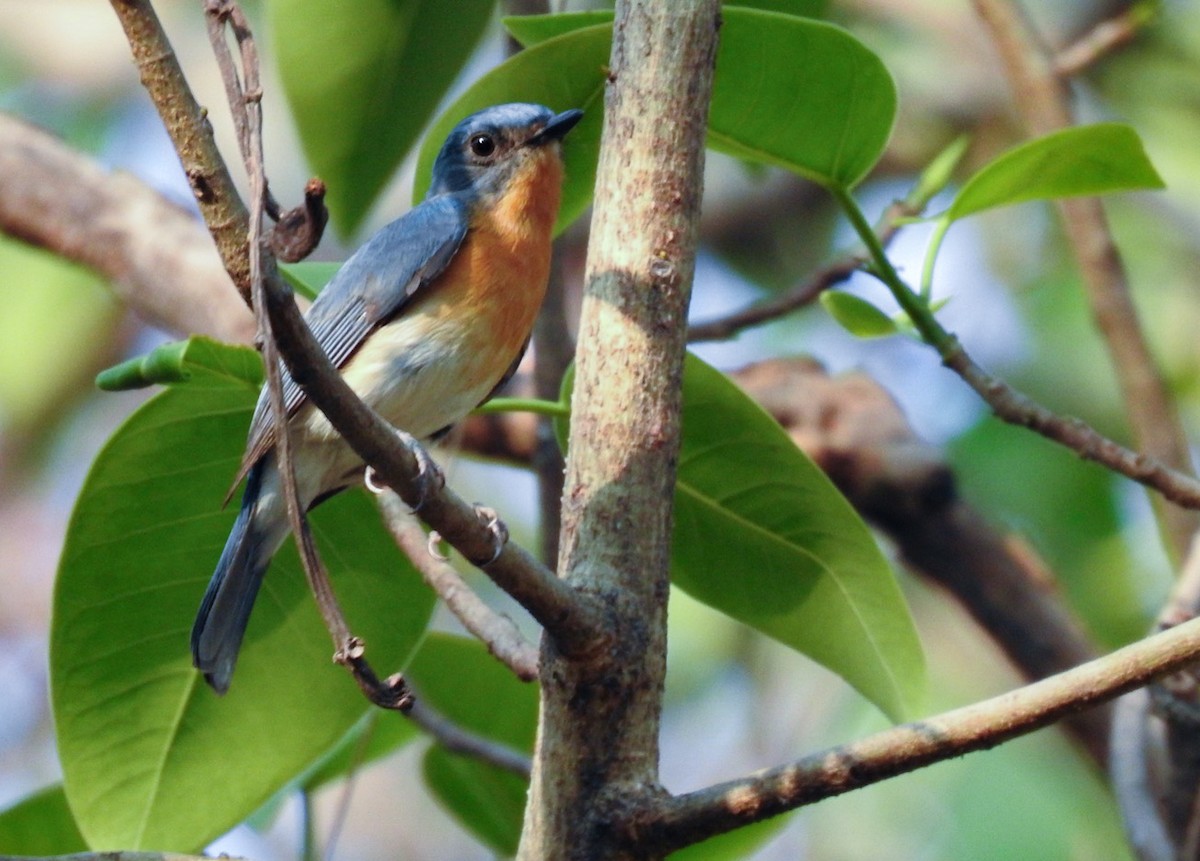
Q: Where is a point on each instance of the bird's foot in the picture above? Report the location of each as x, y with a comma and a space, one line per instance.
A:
430, 478
496, 527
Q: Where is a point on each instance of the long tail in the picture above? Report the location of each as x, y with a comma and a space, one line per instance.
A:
221, 621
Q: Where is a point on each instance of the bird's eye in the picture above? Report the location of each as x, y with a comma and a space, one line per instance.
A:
483, 145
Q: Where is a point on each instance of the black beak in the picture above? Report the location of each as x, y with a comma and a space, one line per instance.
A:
557, 128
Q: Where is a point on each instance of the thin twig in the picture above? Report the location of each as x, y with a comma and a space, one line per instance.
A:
458, 740
216, 195
1102, 40
1009, 404
1042, 100
496, 631
246, 102
807, 291
675, 822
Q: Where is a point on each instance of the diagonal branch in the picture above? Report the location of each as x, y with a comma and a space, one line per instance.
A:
680, 821
496, 631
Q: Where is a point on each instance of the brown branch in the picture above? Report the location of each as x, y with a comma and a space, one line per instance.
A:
567, 616
222, 208
496, 631
807, 291
157, 258
1016, 408
1102, 40
673, 823
458, 740
598, 731
1042, 100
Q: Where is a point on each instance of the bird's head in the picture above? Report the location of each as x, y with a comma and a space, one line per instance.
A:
490, 149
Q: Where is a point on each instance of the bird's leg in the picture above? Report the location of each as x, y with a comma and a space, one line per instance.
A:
496, 527
430, 478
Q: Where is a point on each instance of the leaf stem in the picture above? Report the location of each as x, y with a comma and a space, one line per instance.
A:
537, 406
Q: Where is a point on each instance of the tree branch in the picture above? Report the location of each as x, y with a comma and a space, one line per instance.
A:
157, 259
683, 820
496, 631
1042, 100
458, 740
598, 730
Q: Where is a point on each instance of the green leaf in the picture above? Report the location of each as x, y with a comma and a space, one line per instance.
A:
732, 845
172, 363
857, 316
801, 94
362, 78
561, 73
1083, 160
763, 535
309, 277
41, 824
530, 30
788, 91
462, 681
151, 757
379, 734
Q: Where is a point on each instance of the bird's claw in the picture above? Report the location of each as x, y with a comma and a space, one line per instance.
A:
435, 538
430, 478
496, 527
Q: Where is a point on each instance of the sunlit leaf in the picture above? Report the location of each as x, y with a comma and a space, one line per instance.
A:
857, 316
362, 78
151, 757
763, 535
1083, 160
788, 91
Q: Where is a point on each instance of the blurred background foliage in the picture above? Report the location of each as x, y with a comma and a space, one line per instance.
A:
736, 701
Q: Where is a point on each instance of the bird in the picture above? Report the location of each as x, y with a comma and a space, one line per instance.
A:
425, 322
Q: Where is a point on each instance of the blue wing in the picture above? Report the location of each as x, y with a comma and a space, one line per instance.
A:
371, 288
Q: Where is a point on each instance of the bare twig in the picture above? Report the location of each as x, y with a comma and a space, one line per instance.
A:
496, 631
683, 820
1016, 408
1102, 40
215, 193
245, 95
458, 740
805, 292
1043, 103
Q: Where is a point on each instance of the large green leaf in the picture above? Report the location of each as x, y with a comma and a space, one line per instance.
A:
763, 535
40, 825
1083, 160
458, 678
151, 757
362, 78
788, 91
801, 94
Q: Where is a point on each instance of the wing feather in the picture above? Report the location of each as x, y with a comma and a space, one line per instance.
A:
372, 287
